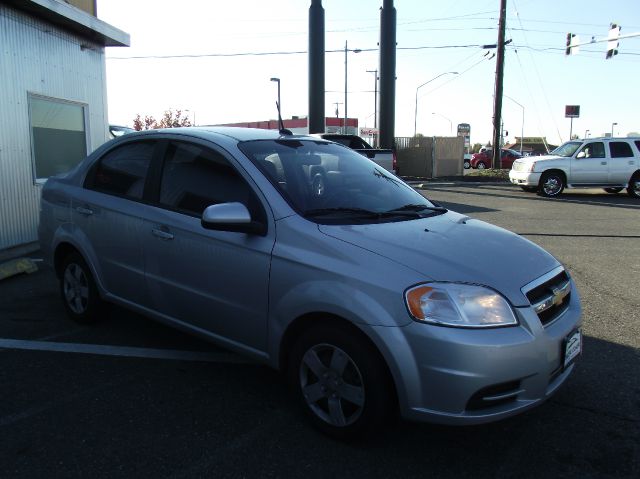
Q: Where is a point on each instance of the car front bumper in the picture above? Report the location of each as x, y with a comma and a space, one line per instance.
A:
523, 178
472, 376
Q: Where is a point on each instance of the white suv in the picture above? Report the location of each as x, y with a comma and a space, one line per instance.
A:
609, 163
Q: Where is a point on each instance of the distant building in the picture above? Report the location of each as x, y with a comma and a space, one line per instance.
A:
532, 145
54, 103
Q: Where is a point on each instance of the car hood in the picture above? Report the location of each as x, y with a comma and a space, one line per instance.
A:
531, 159
454, 248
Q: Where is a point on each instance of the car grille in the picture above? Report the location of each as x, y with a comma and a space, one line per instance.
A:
550, 295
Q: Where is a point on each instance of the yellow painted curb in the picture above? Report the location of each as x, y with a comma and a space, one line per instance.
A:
17, 266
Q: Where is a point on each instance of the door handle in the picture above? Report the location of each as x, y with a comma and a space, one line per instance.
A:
83, 210
603, 162
162, 234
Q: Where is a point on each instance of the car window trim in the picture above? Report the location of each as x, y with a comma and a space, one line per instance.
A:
89, 180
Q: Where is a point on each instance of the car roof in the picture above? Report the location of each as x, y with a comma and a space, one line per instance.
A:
236, 133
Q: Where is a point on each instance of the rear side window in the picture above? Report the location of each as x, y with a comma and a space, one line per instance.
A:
620, 149
123, 170
194, 177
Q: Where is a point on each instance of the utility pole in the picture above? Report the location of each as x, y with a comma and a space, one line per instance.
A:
497, 105
346, 51
375, 105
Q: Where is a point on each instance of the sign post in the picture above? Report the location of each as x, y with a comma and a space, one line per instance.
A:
571, 111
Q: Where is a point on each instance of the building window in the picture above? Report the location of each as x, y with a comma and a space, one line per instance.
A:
58, 135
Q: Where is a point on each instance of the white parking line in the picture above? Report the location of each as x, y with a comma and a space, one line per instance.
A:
124, 351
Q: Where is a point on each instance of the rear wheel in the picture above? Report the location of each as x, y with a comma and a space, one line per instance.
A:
466, 164
341, 381
633, 188
551, 184
78, 290
613, 190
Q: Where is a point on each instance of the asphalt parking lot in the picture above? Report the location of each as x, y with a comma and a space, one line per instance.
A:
129, 397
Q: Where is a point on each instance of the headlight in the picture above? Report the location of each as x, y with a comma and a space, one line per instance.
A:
532, 167
461, 305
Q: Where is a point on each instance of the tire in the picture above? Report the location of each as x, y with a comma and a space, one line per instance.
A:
613, 190
78, 291
529, 189
551, 184
481, 165
466, 164
341, 382
633, 189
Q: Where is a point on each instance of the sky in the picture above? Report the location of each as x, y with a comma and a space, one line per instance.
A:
224, 54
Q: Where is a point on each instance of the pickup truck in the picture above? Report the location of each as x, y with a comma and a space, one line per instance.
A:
384, 158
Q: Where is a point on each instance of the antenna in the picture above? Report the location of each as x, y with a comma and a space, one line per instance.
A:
283, 130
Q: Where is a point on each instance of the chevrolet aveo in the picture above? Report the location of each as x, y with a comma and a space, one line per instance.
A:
310, 258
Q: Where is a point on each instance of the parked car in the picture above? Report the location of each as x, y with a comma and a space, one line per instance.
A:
609, 163
117, 130
365, 294
385, 158
484, 159
466, 161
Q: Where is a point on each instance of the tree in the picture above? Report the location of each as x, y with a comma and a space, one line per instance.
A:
171, 119
476, 147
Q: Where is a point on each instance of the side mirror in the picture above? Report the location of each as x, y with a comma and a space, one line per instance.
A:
582, 154
231, 217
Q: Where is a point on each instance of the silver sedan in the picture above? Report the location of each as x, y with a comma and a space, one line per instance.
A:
309, 257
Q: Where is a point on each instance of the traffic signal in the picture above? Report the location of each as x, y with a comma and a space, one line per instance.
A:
572, 44
612, 44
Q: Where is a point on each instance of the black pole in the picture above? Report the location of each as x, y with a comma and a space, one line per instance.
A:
387, 110
316, 67
497, 105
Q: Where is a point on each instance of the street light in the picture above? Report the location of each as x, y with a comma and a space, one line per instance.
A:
450, 123
277, 80
346, 50
415, 116
522, 126
612, 125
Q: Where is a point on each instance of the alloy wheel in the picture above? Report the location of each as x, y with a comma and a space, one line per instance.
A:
332, 385
76, 288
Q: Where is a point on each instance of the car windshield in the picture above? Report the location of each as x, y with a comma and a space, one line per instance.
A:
567, 149
329, 183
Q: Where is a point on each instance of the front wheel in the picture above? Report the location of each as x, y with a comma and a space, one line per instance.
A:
551, 184
78, 290
481, 165
633, 188
466, 164
341, 381
613, 190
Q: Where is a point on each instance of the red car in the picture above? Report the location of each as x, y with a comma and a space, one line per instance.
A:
483, 160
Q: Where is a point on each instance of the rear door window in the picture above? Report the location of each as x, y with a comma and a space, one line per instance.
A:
620, 149
123, 171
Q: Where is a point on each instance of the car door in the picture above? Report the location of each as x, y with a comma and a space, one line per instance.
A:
108, 212
590, 165
215, 281
622, 163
